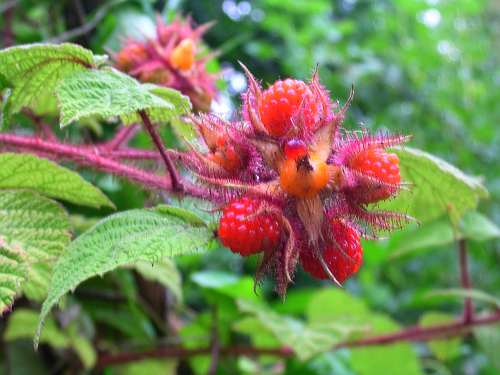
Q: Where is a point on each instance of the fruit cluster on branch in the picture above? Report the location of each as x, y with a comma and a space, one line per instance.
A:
295, 184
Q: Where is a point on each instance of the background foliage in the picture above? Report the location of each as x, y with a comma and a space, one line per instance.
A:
428, 68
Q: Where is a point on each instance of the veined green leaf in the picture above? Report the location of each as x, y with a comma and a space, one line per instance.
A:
33, 71
437, 188
12, 273
119, 240
40, 226
34, 231
22, 171
108, 93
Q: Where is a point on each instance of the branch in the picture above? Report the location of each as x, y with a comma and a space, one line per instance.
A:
465, 280
97, 158
122, 137
174, 176
415, 333
44, 129
85, 156
86, 27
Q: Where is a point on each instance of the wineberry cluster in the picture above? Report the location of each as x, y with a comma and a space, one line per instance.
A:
171, 59
295, 186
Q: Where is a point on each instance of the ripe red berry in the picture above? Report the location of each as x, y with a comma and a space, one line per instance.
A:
342, 258
379, 164
281, 101
245, 235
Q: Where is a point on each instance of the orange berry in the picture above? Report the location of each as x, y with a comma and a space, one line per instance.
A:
133, 53
226, 155
182, 56
304, 177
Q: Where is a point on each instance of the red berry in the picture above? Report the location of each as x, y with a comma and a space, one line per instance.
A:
281, 101
247, 236
379, 164
343, 258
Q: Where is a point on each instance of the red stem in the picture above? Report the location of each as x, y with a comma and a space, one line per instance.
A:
133, 154
98, 159
416, 333
465, 279
122, 137
174, 176
85, 156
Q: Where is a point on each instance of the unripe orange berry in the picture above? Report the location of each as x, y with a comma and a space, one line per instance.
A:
131, 54
182, 56
303, 178
226, 155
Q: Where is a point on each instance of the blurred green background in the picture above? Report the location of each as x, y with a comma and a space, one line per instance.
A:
429, 68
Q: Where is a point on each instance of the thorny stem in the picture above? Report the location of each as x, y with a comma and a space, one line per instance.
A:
416, 333
465, 280
85, 156
99, 159
174, 176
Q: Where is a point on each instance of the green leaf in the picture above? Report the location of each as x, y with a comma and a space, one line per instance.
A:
443, 349
122, 239
39, 225
339, 306
428, 235
438, 188
473, 226
460, 294
5, 109
12, 273
23, 323
227, 284
477, 227
305, 340
148, 366
33, 71
329, 304
108, 93
23, 171
489, 340
165, 272
34, 231
382, 360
